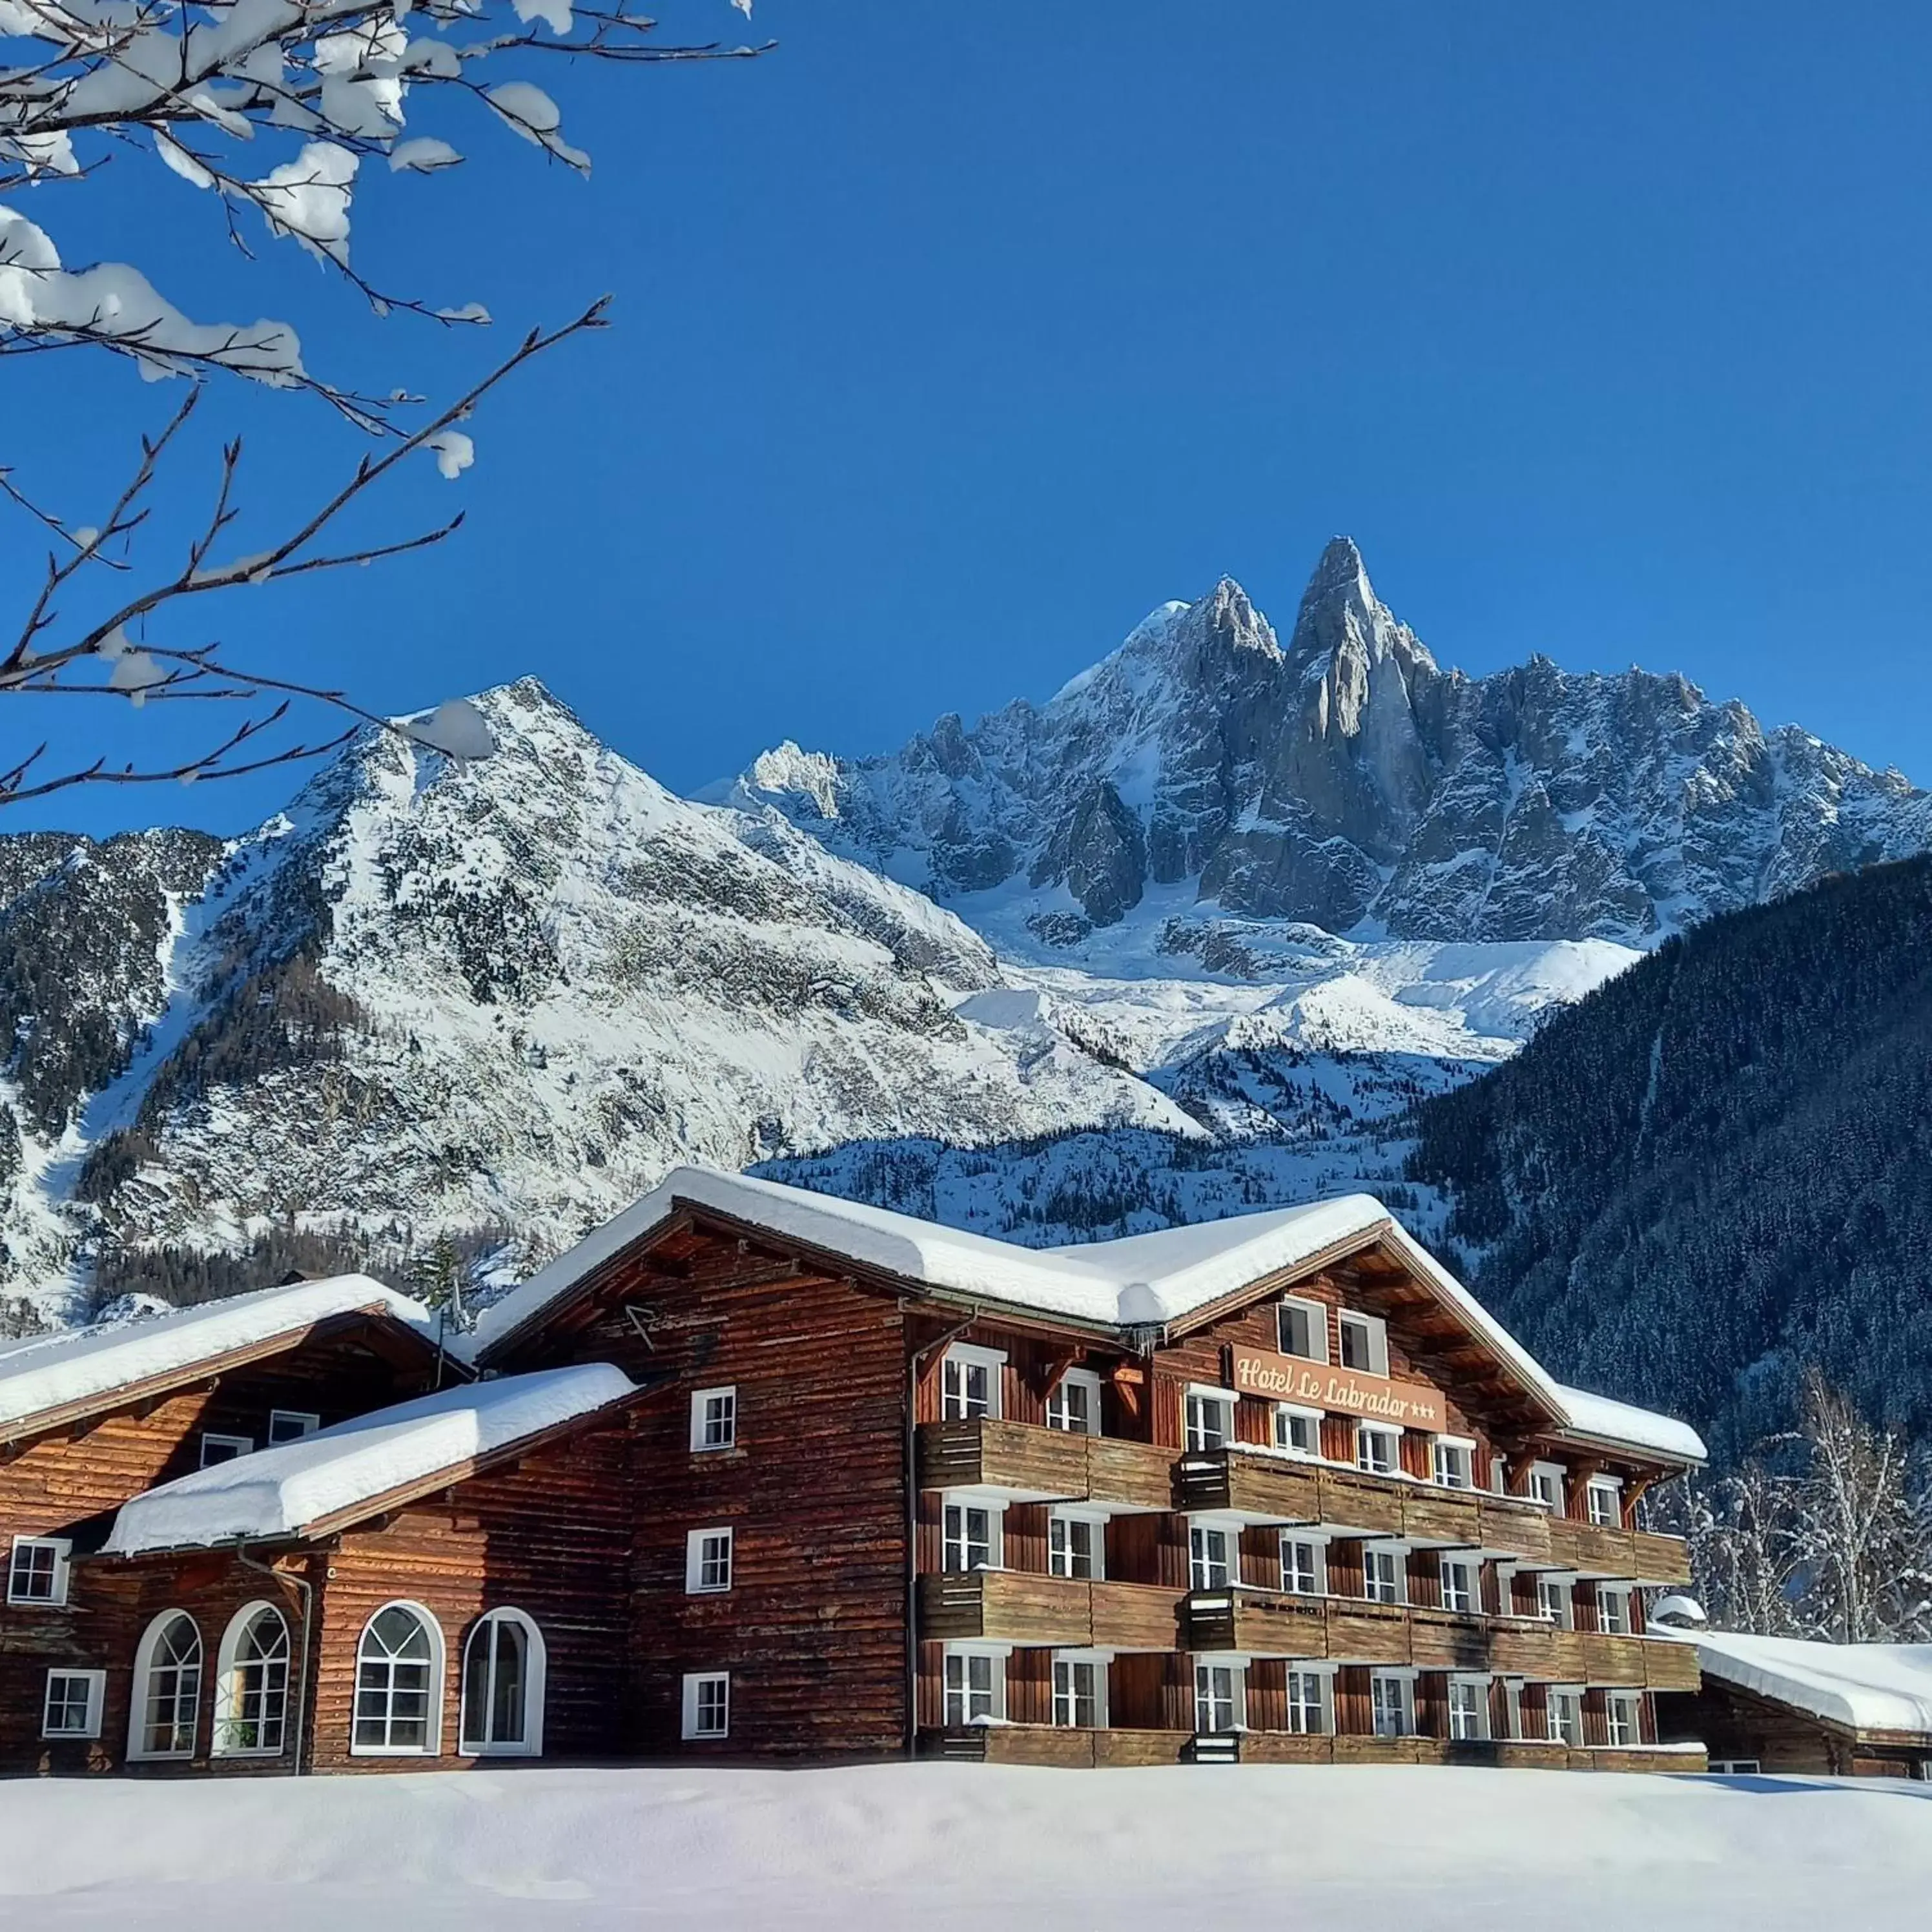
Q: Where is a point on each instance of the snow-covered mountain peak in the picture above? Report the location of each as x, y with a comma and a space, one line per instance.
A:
1349, 782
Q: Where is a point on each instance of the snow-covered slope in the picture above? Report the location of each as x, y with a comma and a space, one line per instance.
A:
1206, 779
501, 999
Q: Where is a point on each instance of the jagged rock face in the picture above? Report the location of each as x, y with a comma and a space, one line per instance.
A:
1347, 781
502, 996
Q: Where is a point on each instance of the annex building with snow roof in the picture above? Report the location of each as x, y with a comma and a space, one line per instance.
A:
1776, 1704
756, 1473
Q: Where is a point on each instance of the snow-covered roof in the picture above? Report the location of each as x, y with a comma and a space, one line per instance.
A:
1611, 1421
281, 1492
1151, 1279
1870, 1686
55, 1371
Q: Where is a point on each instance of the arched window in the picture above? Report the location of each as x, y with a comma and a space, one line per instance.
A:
167, 1688
503, 1687
399, 1684
251, 1683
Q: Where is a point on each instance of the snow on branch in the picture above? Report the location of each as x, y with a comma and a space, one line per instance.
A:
272, 106
109, 655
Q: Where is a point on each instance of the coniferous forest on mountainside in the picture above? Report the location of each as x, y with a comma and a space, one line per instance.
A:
1717, 1168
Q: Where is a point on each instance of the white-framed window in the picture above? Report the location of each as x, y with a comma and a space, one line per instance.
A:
37, 1572
1468, 1708
398, 1684
1565, 1705
251, 1683
1545, 1485
1298, 1430
1603, 1496
1074, 1404
1302, 1329
1385, 1570
1454, 1463
1076, 1545
291, 1425
1220, 1697
1378, 1448
167, 1688
976, 1686
1392, 1703
707, 1561
1613, 1609
1364, 1343
707, 1704
1459, 1584
1310, 1708
1734, 1767
216, 1448
1210, 1417
1304, 1565
1499, 1475
969, 1381
73, 1702
1622, 1728
1213, 1556
1555, 1601
714, 1419
971, 1535
504, 1663
1080, 1689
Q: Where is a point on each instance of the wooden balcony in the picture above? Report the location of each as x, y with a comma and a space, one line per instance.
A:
1134, 1616
1514, 1526
1263, 1625
1129, 1475
1006, 1606
1448, 1519
1368, 1633
1371, 1505
1663, 1560
1015, 1458
1670, 1666
1031, 1464
1540, 1650
1014, 1607
1270, 1488
1443, 1640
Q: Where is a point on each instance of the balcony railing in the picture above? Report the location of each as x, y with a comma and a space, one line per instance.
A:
1028, 1462
1343, 1630
1013, 1606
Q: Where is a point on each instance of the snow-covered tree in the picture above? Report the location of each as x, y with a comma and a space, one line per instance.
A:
1827, 1533
281, 112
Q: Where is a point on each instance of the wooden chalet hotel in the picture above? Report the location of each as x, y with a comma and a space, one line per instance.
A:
753, 1473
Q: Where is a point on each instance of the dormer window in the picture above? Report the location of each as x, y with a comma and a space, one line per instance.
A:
970, 1382
1364, 1344
1074, 1404
1303, 1329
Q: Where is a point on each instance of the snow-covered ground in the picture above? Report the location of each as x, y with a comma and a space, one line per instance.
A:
941, 1846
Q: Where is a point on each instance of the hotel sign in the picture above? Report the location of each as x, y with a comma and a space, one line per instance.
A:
1340, 1391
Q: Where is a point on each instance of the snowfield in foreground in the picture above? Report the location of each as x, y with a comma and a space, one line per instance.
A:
950, 1846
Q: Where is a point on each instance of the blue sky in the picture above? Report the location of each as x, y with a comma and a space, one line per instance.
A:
951, 338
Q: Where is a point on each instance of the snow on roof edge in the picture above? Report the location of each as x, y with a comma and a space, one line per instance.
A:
48, 1373
1868, 1686
281, 1492
1106, 1283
